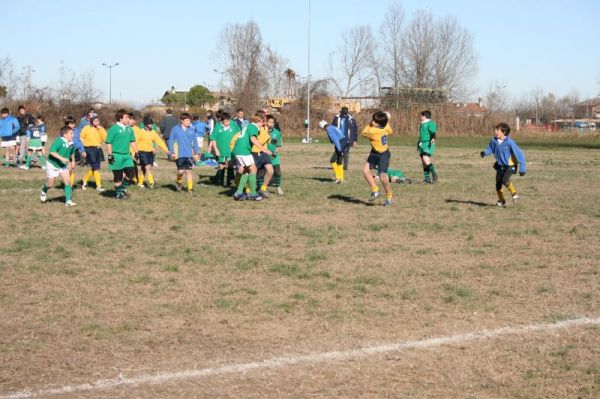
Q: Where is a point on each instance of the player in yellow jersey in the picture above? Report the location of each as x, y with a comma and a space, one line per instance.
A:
147, 140
92, 136
379, 157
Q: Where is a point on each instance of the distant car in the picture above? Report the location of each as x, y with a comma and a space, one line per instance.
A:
582, 124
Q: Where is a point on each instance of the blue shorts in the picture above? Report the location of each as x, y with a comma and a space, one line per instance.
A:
379, 160
94, 156
146, 158
184, 163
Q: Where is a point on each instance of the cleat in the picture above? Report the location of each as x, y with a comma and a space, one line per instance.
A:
240, 196
100, 189
387, 202
255, 197
435, 178
153, 186
43, 196
178, 187
264, 194
500, 204
515, 198
70, 203
141, 186
84, 186
24, 167
373, 196
279, 191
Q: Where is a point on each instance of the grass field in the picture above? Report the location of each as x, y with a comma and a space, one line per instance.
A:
167, 281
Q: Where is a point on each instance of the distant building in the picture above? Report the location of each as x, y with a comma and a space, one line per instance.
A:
588, 109
475, 110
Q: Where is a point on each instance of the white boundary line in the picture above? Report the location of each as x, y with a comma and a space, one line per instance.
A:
288, 360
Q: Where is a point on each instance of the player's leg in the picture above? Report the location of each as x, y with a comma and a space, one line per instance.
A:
499, 176
269, 172
508, 184
426, 161
190, 179
370, 181
66, 178
243, 180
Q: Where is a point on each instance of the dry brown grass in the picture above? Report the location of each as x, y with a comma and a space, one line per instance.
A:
167, 282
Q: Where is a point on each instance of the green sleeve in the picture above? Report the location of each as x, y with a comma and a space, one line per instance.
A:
131, 135
432, 127
110, 136
56, 145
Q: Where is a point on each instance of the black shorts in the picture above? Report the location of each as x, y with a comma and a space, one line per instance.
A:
184, 163
261, 159
77, 154
93, 157
379, 160
10, 138
146, 158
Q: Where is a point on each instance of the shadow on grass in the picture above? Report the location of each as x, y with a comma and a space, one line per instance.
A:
62, 199
322, 167
468, 202
320, 179
108, 193
350, 200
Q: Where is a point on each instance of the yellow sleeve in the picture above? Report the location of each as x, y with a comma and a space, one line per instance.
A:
83, 136
156, 138
233, 140
366, 132
388, 129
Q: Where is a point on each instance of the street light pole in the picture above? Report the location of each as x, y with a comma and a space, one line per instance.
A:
308, 83
110, 67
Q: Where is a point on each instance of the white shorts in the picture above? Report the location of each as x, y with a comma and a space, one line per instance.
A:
52, 171
244, 160
11, 143
200, 142
44, 138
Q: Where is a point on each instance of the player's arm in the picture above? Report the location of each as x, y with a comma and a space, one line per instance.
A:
432, 132
254, 140
160, 142
520, 157
488, 150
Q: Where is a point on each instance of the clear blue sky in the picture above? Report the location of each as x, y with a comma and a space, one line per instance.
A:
525, 45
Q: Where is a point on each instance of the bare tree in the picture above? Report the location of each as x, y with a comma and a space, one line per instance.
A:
496, 99
350, 65
274, 67
242, 53
391, 31
9, 79
454, 58
418, 47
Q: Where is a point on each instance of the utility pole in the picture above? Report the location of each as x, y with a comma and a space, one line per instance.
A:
110, 67
308, 139
221, 84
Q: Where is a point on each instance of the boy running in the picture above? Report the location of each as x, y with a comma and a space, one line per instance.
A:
119, 139
92, 136
184, 135
379, 158
508, 157
35, 133
340, 142
146, 140
426, 146
60, 158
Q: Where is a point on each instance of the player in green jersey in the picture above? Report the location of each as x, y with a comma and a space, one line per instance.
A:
426, 146
61, 158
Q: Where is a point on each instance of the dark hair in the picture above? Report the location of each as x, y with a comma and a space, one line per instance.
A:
40, 117
503, 127
225, 115
239, 109
119, 115
195, 118
184, 115
64, 130
21, 107
219, 114
131, 115
260, 113
380, 118
268, 117
4, 111
69, 119
169, 111
426, 114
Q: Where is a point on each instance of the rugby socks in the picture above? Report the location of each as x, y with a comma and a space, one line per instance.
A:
98, 178
190, 184
512, 189
88, 176
43, 160
375, 189
221, 177
335, 170
341, 170
150, 177
426, 173
27, 160
230, 176
178, 179
242, 183
141, 180
432, 170
500, 196
68, 192
72, 178
252, 181
119, 190
277, 176
45, 188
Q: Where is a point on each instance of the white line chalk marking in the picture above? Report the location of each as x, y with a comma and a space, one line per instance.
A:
278, 362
